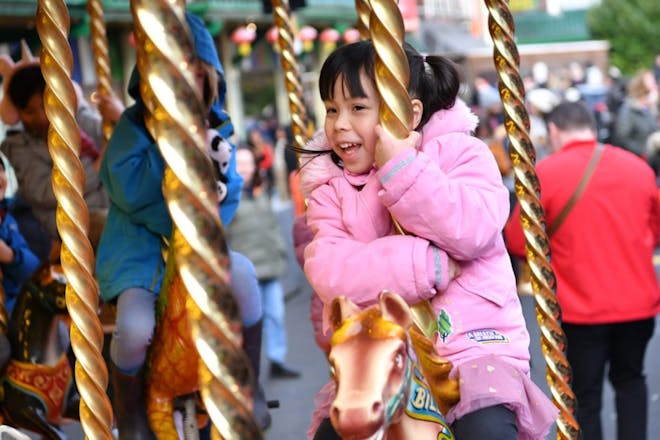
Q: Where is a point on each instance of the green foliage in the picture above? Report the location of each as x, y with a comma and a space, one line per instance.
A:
631, 27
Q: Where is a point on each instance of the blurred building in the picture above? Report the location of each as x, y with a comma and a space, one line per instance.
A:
553, 31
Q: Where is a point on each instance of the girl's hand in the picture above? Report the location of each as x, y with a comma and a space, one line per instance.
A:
387, 146
454, 269
6, 253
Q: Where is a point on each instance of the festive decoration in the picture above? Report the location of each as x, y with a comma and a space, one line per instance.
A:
329, 38
271, 35
243, 37
351, 35
307, 35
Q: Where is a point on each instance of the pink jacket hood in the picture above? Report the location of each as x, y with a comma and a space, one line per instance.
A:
319, 169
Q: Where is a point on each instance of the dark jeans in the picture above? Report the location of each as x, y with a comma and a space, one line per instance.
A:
492, 423
622, 347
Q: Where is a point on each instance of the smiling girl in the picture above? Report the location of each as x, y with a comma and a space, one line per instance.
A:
442, 185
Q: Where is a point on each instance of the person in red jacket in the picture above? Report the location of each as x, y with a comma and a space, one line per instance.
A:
602, 256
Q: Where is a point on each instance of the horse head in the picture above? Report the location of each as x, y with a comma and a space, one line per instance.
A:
371, 365
33, 326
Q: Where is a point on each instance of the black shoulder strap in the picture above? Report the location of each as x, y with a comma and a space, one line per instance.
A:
591, 166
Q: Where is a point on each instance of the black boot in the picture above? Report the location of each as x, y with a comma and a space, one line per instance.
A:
129, 405
252, 347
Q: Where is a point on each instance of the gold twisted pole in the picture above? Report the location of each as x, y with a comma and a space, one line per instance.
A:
299, 122
363, 9
548, 312
391, 67
176, 119
392, 77
72, 217
101, 57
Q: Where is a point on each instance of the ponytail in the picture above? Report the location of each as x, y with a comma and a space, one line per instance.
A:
434, 80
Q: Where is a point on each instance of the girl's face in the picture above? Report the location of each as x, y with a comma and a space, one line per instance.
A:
245, 165
349, 125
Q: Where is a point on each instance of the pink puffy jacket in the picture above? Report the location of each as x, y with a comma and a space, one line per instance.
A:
448, 195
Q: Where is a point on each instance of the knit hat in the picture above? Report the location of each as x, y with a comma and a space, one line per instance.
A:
8, 110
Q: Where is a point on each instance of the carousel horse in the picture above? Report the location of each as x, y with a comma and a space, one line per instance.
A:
173, 360
38, 388
381, 393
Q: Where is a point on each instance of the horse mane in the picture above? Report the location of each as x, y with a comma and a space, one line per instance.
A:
368, 323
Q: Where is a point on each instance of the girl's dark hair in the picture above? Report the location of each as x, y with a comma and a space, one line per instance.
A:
24, 84
434, 80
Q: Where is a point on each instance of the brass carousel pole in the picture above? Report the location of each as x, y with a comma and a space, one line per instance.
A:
548, 312
299, 122
72, 216
392, 77
363, 9
101, 57
175, 118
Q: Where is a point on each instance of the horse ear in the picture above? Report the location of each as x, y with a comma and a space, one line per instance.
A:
340, 309
395, 309
26, 53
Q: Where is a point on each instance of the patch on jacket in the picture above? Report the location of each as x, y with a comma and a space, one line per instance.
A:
443, 324
487, 336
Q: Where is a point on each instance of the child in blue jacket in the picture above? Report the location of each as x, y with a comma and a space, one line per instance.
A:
17, 261
130, 263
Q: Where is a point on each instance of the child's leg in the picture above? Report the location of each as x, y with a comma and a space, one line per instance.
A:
272, 296
243, 282
246, 293
326, 431
134, 328
492, 423
128, 349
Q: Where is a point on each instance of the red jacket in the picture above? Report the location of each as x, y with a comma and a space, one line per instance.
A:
602, 254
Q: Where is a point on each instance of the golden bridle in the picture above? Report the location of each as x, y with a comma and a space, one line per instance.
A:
164, 60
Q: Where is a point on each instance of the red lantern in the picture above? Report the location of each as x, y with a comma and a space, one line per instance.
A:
272, 35
307, 35
351, 35
243, 37
329, 38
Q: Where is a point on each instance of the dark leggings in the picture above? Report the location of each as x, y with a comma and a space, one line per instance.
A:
492, 423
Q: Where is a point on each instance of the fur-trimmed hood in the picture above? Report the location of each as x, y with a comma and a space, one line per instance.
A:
318, 169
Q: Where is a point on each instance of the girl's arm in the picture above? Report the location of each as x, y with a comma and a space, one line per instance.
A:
132, 172
338, 264
451, 193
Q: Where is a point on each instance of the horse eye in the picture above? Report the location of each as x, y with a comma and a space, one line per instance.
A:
332, 371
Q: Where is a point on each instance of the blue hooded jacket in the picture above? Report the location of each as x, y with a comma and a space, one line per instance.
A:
129, 252
25, 263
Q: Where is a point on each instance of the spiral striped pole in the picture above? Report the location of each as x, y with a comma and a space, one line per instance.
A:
176, 119
285, 37
72, 217
548, 312
101, 56
363, 9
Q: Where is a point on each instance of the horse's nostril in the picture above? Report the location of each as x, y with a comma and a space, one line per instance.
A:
334, 414
377, 407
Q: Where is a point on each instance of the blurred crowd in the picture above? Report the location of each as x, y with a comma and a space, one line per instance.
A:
626, 108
